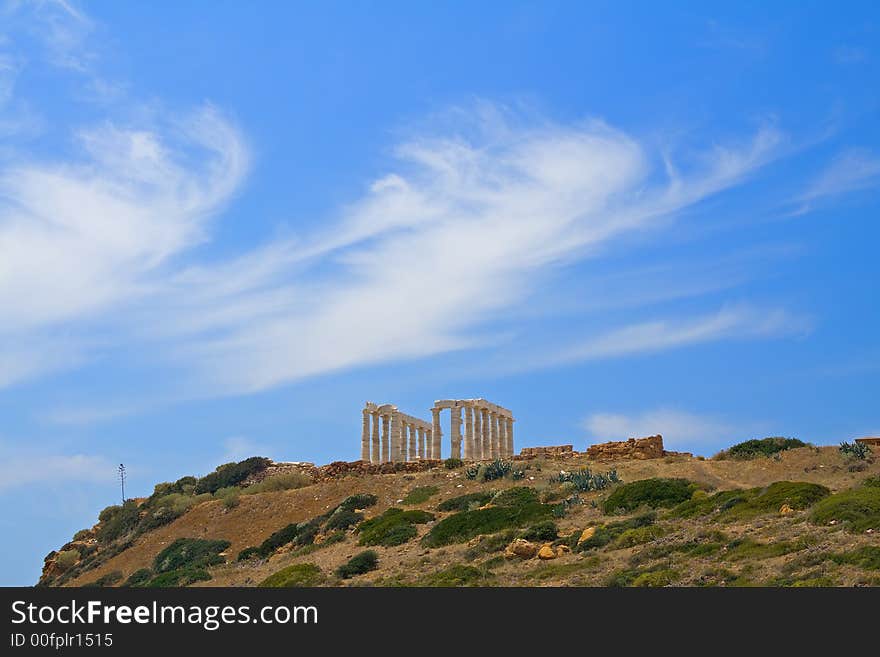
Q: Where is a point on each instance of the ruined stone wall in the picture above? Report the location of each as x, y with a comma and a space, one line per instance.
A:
634, 448
872, 442
552, 452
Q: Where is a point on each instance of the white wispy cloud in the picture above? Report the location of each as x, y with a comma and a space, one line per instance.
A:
852, 170
25, 466
733, 322
680, 429
467, 223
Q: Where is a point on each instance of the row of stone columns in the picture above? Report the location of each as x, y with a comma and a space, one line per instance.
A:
488, 434
391, 436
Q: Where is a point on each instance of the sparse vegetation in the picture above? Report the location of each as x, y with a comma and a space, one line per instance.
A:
109, 579
231, 474
652, 493
452, 463
858, 509
300, 574
66, 558
420, 495
743, 504
764, 447
465, 502
343, 519
584, 480
456, 575
513, 508
139, 578
359, 564
394, 527
287, 481
857, 450
496, 469
190, 553
605, 534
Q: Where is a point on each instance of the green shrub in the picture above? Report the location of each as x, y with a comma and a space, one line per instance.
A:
744, 504
82, 534
653, 493
452, 463
358, 501
866, 557
231, 474
456, 575
300, 574
139, 578
857, 509
117, 521
746, 548
276, 483
542, 531
465, 502
638, 536
360, 563
514, 508
179, 577
394, 527
420, 495
66, 558
343, 519
190, 553
858, 450
106, 580
764, 447
655, 576
605, 534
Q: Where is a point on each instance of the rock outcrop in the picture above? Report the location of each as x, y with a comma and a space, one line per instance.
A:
553, 452
634, 448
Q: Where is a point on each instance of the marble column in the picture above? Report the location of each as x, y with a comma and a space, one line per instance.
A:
478, 435
436, 434
386, 442
468, 433
421, 451
404, 429
493, 435
502, 441
509, 434
365, 437
377, 454
487, 443
498, 437
429, 442
396, 427
456, 432
413, 441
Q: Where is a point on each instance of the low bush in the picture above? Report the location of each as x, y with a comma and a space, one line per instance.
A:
866, 557
653, 493
394, 527
360, 563
605, 534
764, 447
66, 558
513, 509
82, 534
190, 553
276, 483
456, 575
744, 504
746, 548
638, 536
452, 463
857, 450
342, 519
139, 578
231, 474
543, 531
652, 577
300, 574
179, 577
358, 501
420, 495
465, 502
489, 544
117, 521
858, 509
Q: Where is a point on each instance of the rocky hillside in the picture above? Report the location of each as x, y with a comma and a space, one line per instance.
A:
763, 513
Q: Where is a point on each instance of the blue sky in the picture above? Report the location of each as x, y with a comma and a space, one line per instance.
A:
223, 228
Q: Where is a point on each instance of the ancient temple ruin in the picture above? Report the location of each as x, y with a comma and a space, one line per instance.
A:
390, 435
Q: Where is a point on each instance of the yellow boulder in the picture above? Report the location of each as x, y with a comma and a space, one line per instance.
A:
547, 552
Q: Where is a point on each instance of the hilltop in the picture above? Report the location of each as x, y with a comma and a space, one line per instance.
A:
751, 516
